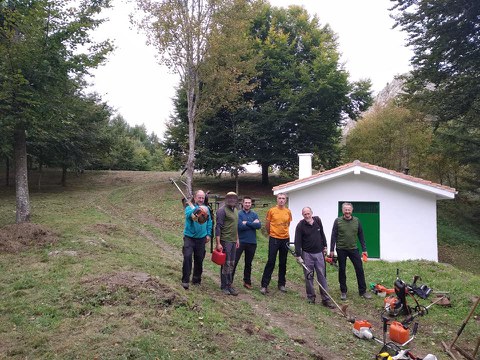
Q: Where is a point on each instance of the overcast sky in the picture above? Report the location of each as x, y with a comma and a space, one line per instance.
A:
140, 90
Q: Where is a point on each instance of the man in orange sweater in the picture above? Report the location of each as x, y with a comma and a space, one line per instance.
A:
277, 224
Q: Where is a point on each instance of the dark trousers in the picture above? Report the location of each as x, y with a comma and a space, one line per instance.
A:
195, 247
249, 250
356, 260
274, 246
226, 271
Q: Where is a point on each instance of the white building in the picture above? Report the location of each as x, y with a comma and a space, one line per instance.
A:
398, 211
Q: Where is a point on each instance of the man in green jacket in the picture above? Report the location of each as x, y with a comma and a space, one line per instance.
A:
345, 231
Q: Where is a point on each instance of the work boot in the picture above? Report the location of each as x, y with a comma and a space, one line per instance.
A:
247, 286
327, 303
185, 285
343, 296
366, 295
233, 291
282, 288
226, 291
263, 290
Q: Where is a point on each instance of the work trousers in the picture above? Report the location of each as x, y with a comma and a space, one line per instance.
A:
274, 246
356, 260
193, 247
315, 263
249, 250
226, 271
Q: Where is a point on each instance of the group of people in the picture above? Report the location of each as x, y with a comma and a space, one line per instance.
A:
235, 234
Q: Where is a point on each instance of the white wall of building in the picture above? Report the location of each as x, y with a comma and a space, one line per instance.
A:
407, 215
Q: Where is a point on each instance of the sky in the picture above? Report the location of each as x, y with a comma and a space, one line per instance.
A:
141, 90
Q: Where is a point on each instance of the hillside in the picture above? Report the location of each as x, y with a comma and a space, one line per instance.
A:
102, 280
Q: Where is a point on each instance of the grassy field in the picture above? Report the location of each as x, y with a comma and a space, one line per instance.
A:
108, 284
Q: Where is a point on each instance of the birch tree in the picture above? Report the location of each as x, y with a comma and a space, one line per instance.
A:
205, 43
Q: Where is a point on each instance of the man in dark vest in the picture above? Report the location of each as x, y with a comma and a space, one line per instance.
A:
345, 231
226, 235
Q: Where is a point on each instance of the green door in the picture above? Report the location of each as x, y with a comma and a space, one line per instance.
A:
369, 215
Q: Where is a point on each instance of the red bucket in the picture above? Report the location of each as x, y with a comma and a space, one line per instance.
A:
219, 257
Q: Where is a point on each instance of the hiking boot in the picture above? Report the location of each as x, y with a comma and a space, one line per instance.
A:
226, 291
233, 291
247, 286
328, 304
343, 296
282, 288
185, 285
263, 290
366, 295
311, 300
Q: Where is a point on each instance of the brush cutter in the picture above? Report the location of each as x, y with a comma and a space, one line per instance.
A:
310, 275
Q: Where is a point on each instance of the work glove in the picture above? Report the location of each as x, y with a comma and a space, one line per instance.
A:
299, 259
364, 256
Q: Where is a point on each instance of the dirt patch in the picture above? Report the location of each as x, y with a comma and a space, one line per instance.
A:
108, 229
130, 288
16, 238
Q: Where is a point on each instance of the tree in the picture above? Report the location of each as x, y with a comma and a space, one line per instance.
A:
445, 39
76, 143
40, 60
191, 37
301, 97
401, 139
303, 93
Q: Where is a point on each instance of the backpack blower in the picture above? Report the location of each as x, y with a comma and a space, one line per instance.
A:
396, 305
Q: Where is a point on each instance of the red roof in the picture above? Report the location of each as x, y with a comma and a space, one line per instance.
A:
380, 169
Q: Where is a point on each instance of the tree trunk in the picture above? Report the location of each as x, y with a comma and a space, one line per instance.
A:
236, 182
7, 171
64, 175
192, 104
191, 159
21, 176
39, 182
265, 174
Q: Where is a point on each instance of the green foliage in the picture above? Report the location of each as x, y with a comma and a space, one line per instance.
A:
304, 92
301, 96
444, 82
131, 148
42, 67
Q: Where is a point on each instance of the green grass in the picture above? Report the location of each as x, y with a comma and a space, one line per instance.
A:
54, 305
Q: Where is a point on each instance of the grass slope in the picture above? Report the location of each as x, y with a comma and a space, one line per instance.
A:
109, 288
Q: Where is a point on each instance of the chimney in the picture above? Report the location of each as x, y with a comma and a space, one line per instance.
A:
304, 165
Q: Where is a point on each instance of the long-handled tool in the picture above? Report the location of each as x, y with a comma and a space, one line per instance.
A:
181, 192
422, 311
310, 275
448, 348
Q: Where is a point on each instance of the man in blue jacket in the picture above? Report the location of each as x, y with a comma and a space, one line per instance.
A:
248, 223
195, 236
